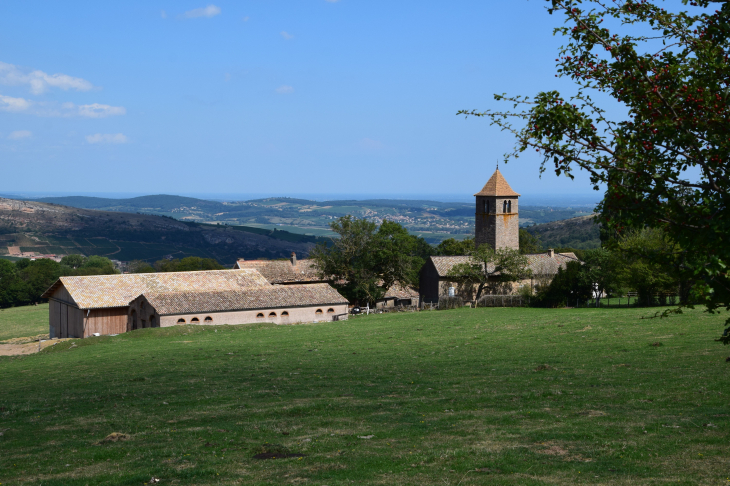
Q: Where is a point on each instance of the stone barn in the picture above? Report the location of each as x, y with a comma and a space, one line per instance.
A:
278, 304
84, 306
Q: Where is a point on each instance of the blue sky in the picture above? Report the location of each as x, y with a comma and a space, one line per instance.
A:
270, 97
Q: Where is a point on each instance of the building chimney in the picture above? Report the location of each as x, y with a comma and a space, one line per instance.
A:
294, 259
551, 253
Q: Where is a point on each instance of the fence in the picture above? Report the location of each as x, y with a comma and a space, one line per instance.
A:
503, 301
631, 300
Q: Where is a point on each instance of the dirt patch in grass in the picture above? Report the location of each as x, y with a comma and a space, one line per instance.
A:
114, 437
20, 349
553, 449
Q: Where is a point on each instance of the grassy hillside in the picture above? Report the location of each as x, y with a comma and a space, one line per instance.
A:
17, 322
44, 228
582, 233
471, 396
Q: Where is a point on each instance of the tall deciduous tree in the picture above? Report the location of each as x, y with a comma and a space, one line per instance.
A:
454, 247
663, 151
367, 259
602, 271
491, 270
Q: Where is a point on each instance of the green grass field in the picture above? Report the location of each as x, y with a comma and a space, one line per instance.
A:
29, 321
463, 397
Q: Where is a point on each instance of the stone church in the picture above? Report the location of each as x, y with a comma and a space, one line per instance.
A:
497, 224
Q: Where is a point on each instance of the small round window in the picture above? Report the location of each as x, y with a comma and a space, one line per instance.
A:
318, 311
272, 314
259, 315
195, 320
181, 321
330, 311
285, 314
208, 320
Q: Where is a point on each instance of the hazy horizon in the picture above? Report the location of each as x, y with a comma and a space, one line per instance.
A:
562, 200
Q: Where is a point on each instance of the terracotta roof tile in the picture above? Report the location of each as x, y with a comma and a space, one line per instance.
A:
401, 292
271, 297
282, 271
496, 186
102, 291
539, 263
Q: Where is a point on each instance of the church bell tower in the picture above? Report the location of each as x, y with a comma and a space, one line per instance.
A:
497, 220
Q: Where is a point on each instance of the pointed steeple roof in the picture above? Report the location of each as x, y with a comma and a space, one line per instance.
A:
496, 186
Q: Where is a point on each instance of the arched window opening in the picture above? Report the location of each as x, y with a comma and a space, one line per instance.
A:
153, 321
259, 316
194, 320
509, 206
504, 207
208, 320
285, 314
330, 311
318, 312
486, 207
272, 314
181, 321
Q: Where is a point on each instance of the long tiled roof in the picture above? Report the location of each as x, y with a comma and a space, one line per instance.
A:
282, 271
401, 292
496, 186
271, 297
539, 263
102, 291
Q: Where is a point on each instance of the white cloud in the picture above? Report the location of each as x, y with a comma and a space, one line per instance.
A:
284, 89
95, 110
209, 11
245, 19
18, 134
107, 138
8, 103
66, 110
163, 14
39, 81
286, 35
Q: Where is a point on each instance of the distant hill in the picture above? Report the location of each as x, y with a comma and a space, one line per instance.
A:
582, 233
43, 228
161, 202
434, 220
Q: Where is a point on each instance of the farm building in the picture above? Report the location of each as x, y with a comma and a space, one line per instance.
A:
293, 271
284, 272
278, 304
496, 224
83, 306
435, 280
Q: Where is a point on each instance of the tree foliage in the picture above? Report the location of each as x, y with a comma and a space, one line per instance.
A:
665, 162
491, 270
24, 281
454, 247
187, 264
569, 286
529, 243
602, 270
367, 260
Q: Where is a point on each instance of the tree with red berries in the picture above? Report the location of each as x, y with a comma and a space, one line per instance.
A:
665, 162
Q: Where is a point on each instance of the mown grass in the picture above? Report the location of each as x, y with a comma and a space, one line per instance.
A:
463, 397
28, 321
